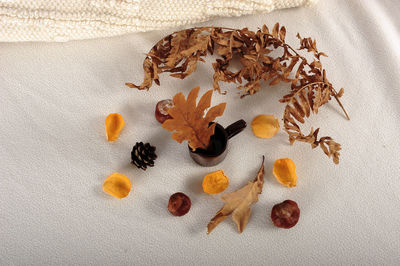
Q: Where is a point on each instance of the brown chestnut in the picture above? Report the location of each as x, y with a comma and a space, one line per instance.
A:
162, 108
285, 214
179, 204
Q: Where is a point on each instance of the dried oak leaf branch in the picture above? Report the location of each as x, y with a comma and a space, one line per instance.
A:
238, 203
179, 53
188, 121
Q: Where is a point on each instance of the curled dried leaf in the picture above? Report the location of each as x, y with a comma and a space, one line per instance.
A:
282, 34
340, 93
238, 203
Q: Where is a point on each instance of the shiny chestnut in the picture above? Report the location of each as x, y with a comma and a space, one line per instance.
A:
285, 214
162, 108
179, 204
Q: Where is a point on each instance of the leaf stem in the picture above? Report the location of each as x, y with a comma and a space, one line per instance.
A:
337, 99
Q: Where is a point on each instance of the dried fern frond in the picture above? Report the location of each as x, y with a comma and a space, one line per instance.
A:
180, 52
300, 105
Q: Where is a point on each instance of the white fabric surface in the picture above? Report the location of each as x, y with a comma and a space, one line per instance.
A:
54, 156
60, 20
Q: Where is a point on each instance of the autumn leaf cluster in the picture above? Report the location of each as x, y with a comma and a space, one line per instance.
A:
264, 56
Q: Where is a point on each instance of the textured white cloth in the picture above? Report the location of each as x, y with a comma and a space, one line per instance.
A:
54, 156
63, 20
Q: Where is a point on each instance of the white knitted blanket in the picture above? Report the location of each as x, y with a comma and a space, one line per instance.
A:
63, 20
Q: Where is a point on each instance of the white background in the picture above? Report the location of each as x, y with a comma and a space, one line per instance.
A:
54, 155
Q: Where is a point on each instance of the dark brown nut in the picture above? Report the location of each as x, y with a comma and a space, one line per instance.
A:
285, 214
162, 108
179, 204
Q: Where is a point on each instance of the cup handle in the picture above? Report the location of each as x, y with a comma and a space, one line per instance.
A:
235, 128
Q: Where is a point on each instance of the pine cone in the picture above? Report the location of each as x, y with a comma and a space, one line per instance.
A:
143, 155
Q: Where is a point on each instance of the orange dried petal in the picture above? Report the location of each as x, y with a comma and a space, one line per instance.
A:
117, 185
114, 124
284, 171
215, 182
265, 126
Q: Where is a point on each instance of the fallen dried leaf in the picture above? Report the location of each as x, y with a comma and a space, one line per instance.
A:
238, 203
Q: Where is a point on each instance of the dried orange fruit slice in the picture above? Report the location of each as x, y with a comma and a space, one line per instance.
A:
215, 182
265, 126
117, 185
285, 172
114, 124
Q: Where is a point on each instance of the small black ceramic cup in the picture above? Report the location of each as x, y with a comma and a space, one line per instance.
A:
217, 149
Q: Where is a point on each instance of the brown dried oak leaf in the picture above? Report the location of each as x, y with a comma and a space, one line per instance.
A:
238, 203
188, 121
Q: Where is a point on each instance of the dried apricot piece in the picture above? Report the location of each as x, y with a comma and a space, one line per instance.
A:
117, 185
265, 126
114, 124
285, 172
215, 182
